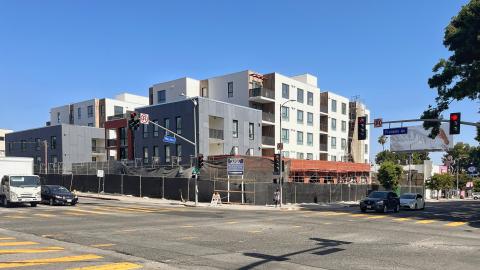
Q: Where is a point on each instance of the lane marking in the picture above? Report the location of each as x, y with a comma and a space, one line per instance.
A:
336, 214
427, 221
34, 262
455, 224
45, 215
74, 214
111, 266
129, 230
231, 222
103, 245
89, 211
188, 238
16, 217
254, 231
30, 250
359, 215
7, 238
12, 244
187, 226
123, 209
402, 219
296, 226
376, 217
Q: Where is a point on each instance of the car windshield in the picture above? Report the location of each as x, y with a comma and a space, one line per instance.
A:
24, 181
376, 195
59, 189
408, 196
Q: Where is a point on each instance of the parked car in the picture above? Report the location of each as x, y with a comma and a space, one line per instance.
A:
381, 201
412, 201
476, 195
58, 195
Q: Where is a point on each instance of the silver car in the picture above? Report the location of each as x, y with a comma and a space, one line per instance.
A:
412, 201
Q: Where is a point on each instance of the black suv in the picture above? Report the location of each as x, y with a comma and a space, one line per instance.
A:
381, 201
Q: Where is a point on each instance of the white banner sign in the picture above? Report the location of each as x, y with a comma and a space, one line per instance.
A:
417, 140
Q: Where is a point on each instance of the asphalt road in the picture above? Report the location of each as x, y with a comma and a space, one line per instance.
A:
99, 234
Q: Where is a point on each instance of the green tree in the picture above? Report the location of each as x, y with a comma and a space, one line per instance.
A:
440, 182
401, 158
457, 77
464, 153
476, 185
382, 140
389, 175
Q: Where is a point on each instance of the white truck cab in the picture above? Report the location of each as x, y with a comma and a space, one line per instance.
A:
20, 189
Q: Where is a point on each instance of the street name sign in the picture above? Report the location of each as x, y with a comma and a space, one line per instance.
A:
395, 131
235, 166
169, 139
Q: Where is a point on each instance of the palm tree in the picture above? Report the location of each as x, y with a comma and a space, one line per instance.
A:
382, 140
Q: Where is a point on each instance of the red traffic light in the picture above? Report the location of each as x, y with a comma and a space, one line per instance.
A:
454, 117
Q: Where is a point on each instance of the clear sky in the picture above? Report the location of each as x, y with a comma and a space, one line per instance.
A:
56, 52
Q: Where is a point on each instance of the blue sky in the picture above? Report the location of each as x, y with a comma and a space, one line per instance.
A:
56, 52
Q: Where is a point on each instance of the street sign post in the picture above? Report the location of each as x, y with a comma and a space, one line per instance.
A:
144, 118
169, 139
235, 166
395, 131
378, 123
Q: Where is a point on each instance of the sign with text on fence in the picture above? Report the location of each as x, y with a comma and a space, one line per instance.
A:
235, 166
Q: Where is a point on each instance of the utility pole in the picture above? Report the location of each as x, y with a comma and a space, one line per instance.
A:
45, 147
281, 158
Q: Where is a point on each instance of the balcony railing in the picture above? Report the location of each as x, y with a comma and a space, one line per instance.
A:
111, 143
323, 108
266, 116
324, 127
323, 147
267, 140
215, 134
262, 92
118, 116
99, 150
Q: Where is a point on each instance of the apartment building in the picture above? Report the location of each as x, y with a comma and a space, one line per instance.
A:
66, 144
3, 132
95, 112
314, 124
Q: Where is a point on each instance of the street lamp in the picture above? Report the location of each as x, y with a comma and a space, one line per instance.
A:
195, 104
281, 165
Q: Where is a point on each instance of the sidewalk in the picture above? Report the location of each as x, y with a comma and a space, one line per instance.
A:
175, 203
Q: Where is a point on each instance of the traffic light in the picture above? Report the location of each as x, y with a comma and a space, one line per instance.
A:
454, 123
134, 121
362, 128
200, 161
276, 163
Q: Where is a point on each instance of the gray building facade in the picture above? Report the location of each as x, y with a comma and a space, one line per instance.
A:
66, 144
222, 129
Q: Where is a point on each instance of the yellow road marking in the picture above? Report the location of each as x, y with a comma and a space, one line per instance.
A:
7, 238
88, 211
358, 215
336, 214
297, 226
188, 238
326, 223
103, 245
16, 217
34, 262
376, 217
231, 222
455, 224
255, 231
187, 226
75, 214
427, 221
30, 250
111, 266
129, 230
123, 209
401, 219
44, 215
11, 244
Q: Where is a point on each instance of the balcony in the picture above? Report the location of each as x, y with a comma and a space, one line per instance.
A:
215, 134
98, 150
268, 117
111, 143
119, 116
324, 147
267, 140
262, 95
323, 127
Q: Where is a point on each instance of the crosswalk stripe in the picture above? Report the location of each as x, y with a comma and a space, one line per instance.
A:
402, 219
376, 217
30, 250
427, 221
455, 224
111, 266
12, 244
7, 238
34, 262
124, 209
89, 211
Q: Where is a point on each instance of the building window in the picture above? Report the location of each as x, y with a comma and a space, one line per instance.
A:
334, 124
38, 142
344, 126
53, 142
285, 113
310, 98
167, 153
204, 92
299, 137
156, 153
285, 154
179, 150
38, 159
155, 128
90, 124
145, 131
309, 156
234, 150
166, 124
90, 111
2, 138
333, 141
23, 145
309, 139
285, 91
79, 113
299, 95
58, 118
334, 105
251, 131
53, 159
333, 158
366, 148
161, 96
343, 144
285, 135
102, 110
145, 155
230, 89
299, 117
309, 118
235, 129
117, 110
178, 121
299, 155
344, 108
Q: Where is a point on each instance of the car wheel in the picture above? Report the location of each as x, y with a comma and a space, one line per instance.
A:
5, 202
397, 208
33, 204
385, 209
52, 202
475, 198
416, 206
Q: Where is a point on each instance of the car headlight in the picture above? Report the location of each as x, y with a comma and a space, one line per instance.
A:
380, 202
